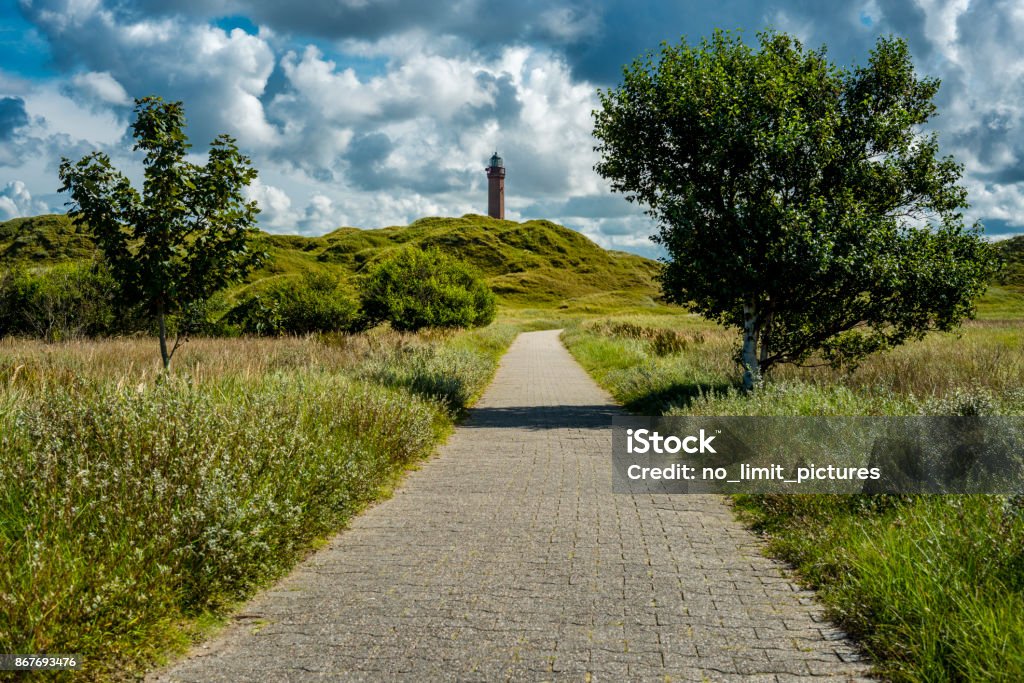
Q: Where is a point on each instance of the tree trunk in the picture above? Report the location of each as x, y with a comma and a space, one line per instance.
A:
751, 329
763, 338
162, 321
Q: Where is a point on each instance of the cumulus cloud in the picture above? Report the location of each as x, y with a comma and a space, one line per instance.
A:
16, 201
100, 87
975, 47
55, 114
219, 74
568, 23
428, 124
12, 116
14, 139
378, 112
320, 215
479, 24
274, 203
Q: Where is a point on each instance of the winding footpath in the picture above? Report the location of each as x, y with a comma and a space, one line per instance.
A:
507, 557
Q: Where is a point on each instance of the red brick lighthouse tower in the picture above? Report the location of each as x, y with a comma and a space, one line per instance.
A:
496, 188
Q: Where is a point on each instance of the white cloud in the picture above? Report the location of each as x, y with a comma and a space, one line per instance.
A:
940, 24
16, 201
11, 84
1003, 202
981, 119
102, 87
568, 23
275, 204
320, 215
398, 122
781, 20
220, 75
56, 113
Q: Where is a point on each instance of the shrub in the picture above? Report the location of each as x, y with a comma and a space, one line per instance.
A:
416, 289
203, 318
64, 302
314, 303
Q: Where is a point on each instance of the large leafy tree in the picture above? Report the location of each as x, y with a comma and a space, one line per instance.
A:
186, 235
797, 201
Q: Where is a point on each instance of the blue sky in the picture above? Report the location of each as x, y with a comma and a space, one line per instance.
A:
378, 112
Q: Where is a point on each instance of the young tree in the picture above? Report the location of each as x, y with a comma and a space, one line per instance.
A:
797, 201
186, 236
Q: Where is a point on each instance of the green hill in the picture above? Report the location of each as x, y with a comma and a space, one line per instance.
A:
527, 264
43, 240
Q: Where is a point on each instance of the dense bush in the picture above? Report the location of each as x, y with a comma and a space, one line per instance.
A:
76, 300
313, 303
64, 302
415, 289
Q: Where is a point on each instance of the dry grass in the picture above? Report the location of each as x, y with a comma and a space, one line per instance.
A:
134, 359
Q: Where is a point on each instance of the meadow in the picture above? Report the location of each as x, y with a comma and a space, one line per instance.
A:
932, 587
137, 508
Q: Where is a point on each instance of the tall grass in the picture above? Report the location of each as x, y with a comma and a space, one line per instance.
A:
131, 504
932, 586
665, 364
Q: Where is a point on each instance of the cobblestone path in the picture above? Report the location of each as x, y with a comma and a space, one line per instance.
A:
507, 557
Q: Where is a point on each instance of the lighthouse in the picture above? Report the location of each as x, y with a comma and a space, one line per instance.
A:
496, 188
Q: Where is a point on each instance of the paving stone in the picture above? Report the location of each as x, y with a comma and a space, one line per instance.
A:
507, 557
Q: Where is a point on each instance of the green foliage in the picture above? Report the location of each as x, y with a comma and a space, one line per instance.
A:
797, 201
931, 586
414, 289
1012, 252
453, 372
40, 240
315, 302
181, 500
65, 302
943, 374
186, 236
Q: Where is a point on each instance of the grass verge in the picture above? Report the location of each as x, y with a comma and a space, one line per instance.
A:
931, 586
133, 508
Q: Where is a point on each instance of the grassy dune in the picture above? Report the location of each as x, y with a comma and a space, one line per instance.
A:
932, 586
135, 508
530, 264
